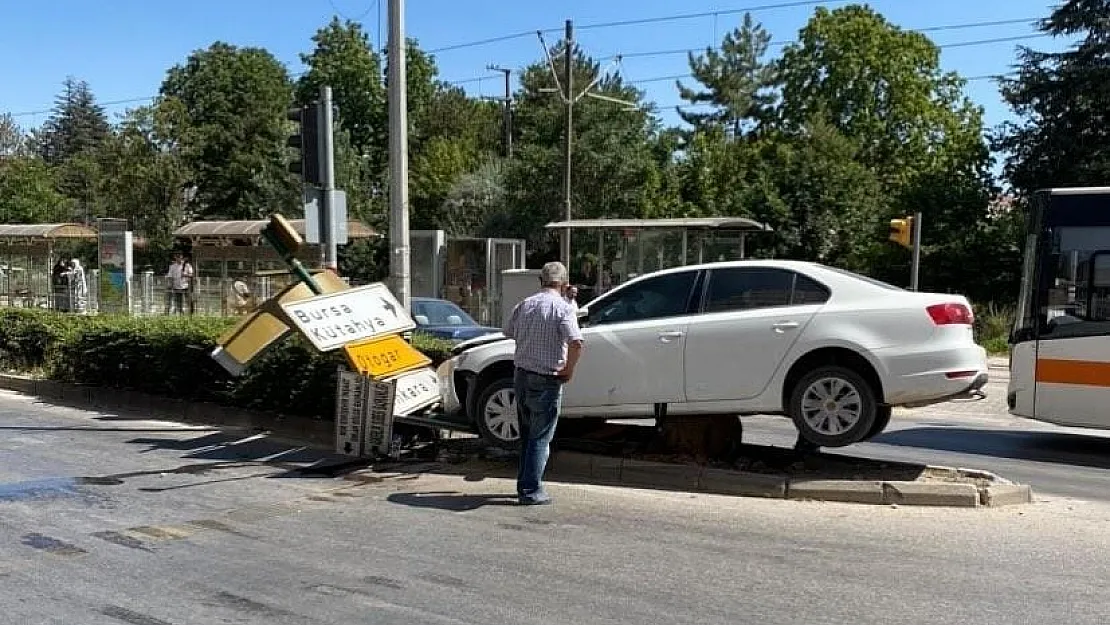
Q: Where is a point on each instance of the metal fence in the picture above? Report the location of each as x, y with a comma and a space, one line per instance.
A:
146, 294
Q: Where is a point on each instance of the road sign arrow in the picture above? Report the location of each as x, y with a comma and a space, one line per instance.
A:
386, 304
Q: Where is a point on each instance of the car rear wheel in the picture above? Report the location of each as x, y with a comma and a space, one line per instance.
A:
882, 419
833, 406
495, 414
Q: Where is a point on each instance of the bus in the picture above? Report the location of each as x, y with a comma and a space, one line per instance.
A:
1060, 342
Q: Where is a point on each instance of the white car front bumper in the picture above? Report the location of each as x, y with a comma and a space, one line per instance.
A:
448, 396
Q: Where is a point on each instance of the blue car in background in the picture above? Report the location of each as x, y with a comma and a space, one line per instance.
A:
444, 319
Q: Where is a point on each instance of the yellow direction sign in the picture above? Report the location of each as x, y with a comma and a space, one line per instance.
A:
384, 356
266, 325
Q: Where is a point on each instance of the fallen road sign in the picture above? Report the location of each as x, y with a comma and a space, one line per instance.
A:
414, 390
379, 414
382, 357
352, 396
266, 325
333, 320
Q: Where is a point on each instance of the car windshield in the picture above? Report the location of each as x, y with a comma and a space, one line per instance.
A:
872, 281
439, 313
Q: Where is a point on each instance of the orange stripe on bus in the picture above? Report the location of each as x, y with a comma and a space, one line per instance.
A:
1079, 372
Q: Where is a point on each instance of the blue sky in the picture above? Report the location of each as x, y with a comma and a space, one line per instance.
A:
124, 47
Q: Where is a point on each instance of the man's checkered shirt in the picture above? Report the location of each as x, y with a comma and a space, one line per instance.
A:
542, 325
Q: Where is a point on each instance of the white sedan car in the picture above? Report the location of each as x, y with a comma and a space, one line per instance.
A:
832, 350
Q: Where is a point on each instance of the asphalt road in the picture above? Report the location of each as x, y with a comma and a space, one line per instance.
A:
106, 520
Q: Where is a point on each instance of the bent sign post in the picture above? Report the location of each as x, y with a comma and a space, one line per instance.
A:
391, 378
366, 322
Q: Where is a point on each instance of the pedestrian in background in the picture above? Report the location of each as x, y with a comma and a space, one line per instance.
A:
59, 282
79, 288
548, 346
179, 277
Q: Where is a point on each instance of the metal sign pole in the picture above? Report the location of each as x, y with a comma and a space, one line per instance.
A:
916, 263
328, 238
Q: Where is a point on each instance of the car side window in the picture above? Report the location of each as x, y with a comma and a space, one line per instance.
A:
808, 291
662, 296
748, 288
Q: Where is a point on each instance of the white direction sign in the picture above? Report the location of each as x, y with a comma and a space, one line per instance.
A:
333, 320
414, 390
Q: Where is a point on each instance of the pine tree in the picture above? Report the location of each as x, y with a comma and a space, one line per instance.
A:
76, 126
736, 79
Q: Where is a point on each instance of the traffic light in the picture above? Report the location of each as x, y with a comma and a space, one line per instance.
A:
901, 231
307, 141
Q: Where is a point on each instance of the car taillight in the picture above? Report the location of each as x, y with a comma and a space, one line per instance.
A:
950, 314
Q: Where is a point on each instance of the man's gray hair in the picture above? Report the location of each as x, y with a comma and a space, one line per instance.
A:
554, 273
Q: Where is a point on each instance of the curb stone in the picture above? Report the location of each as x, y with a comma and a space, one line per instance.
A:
742, 483
931, 494
647, 473
693, 478
998, 495
846, 491
602, 469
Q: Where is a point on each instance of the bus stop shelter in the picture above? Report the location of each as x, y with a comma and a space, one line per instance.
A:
232, 261
27, 255
627, 248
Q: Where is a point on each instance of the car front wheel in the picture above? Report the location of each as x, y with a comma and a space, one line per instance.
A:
495, 414
833, 406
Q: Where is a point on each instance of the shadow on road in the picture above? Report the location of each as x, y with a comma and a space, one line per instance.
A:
37, 428
455, 502
1055, 447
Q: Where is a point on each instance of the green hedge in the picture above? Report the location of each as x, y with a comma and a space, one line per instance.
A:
170, 356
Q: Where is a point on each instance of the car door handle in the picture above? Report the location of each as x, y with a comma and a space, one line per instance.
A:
667, 337
783, 326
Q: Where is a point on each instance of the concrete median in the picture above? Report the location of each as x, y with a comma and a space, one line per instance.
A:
939, 486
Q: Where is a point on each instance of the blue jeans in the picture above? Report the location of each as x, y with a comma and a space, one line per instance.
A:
538, 399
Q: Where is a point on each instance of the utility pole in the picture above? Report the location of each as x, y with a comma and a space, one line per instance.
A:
568, 143
398, 157
507, 122
569, 98
915, 265
328, 235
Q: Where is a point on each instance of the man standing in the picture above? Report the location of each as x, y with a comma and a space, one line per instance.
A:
180, 277
548, 345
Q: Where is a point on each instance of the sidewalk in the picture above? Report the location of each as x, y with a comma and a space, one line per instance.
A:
998, 362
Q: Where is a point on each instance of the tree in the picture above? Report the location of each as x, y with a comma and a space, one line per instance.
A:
883, 88
614, 168
76, 126
738, 82
457, 135
144, 179
475, 204
224, 108
1062, 136
28, 192
12, 140
344, 60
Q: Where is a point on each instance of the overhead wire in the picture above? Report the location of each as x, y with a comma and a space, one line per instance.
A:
957, 44
649, 53
644, 20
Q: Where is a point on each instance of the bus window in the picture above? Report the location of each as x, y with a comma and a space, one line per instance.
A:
1075, 295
